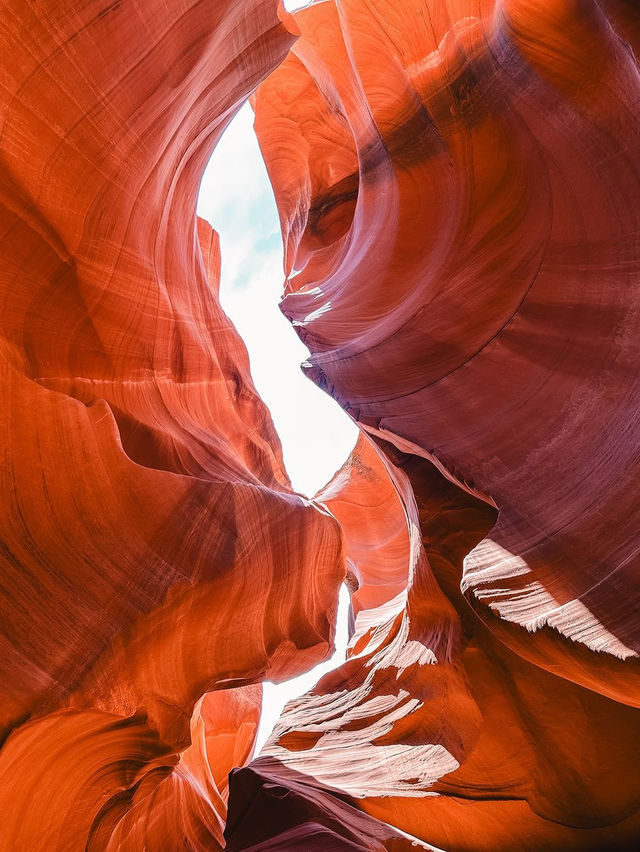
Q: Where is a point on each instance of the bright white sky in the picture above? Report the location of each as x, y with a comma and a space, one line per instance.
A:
317, 436
236, 198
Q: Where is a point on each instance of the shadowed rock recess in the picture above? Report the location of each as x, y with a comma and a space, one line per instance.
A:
458, 183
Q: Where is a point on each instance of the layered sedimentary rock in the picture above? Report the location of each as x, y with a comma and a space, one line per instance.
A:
148, 531
457, 186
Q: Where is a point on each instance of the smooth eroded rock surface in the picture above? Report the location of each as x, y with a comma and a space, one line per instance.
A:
148, 532
457, 183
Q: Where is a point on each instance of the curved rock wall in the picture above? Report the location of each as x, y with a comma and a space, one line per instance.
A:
457, 186
148, 531
457, 183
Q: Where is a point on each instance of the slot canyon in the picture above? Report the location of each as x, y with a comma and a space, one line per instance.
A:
457, 185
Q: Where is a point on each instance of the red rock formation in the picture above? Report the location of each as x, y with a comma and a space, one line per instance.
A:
148, 532
456, 183
457, 186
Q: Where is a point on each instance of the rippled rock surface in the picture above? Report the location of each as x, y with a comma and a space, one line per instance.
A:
148, 534
458, 188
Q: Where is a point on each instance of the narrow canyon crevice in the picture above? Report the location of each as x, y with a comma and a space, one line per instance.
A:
457, 189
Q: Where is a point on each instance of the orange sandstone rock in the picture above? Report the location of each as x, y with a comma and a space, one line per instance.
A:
149, 534
457, 185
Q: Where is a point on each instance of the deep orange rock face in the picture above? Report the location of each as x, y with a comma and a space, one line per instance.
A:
457, 185
148, 530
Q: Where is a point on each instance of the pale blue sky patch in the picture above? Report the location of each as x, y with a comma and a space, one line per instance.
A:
317, 436
236, 198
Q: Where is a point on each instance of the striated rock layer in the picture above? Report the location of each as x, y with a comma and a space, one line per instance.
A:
148, 531
457, 183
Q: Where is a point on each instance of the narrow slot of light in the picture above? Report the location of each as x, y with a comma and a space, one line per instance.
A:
316, 435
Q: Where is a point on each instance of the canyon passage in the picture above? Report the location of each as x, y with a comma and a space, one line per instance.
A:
457, 184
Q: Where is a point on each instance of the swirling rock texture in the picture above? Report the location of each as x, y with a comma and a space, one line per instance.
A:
148, 530
458, 188
457, 184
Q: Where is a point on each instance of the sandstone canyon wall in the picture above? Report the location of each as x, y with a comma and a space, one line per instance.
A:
458, 186
148, 528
